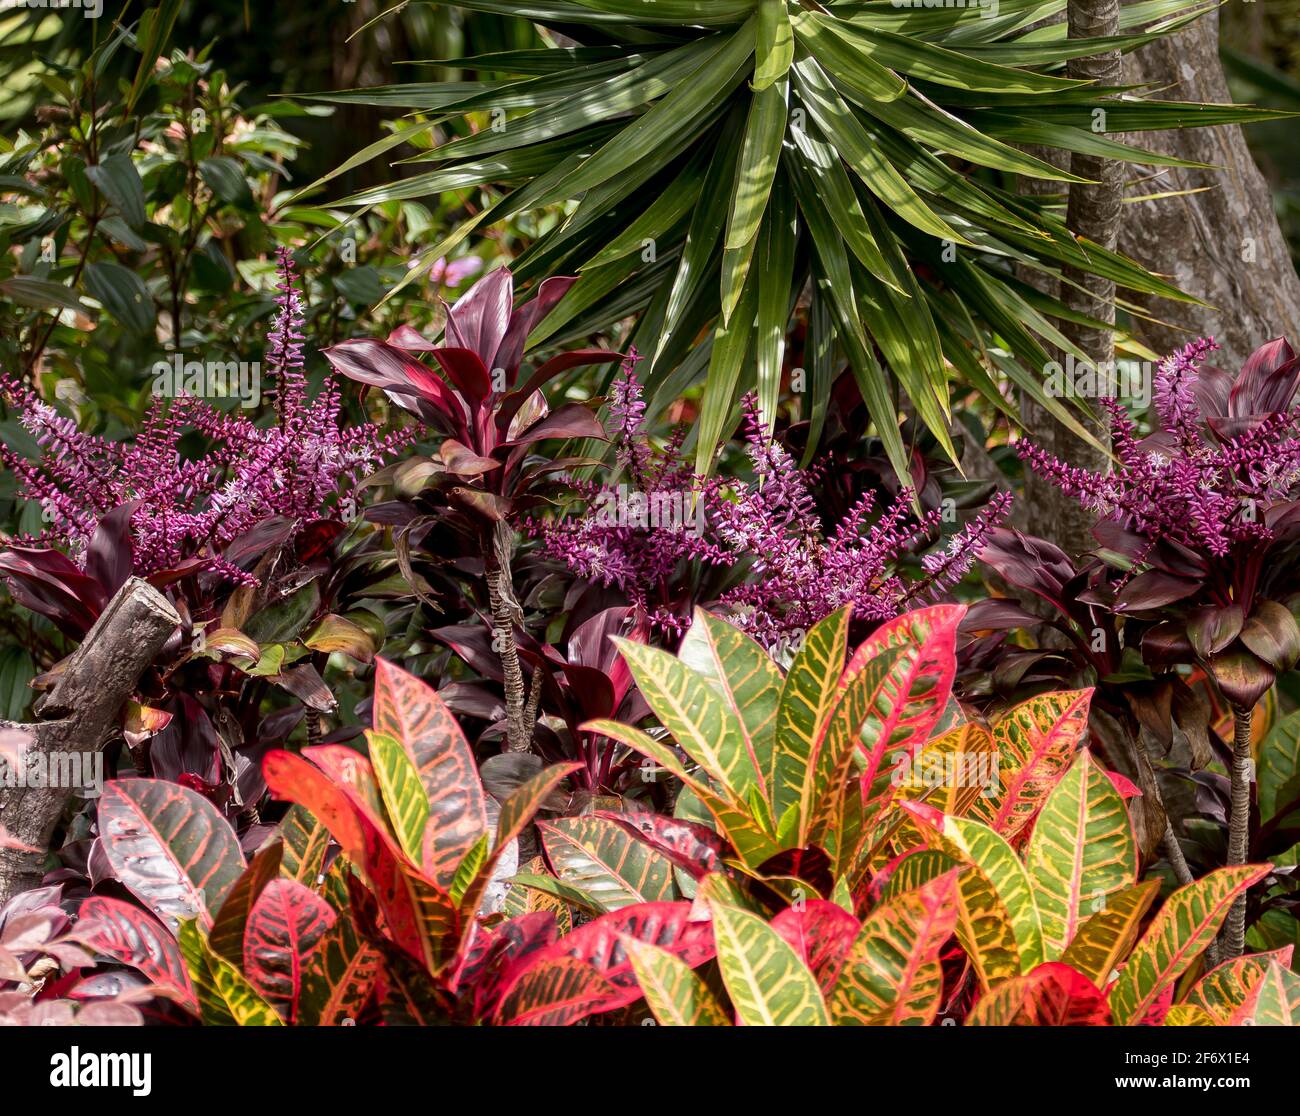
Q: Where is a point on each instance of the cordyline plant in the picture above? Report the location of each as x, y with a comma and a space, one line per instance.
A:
643, 534
710, 144
483, 474
241, 537
1204, 517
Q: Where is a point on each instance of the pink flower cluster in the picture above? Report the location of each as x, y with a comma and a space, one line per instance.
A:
797, 573
1223, 453
297, 466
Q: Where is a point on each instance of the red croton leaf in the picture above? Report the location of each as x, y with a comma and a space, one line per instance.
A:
133, 937
1052, 995
596, 947
287, 920
821, 933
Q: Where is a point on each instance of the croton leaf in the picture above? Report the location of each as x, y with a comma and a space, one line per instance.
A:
1177, 936
676, 995
338, 976
746, 679
919, 683
1081, 852
227, 935
1229, 992
554, 993
767, 980
170, 846
809, 694
1052, 995
134, 937
689, 707
989, 855
402, 792
413, 714
1036, 743
225, 997
891, 974
1277, 998
821, 933
693, 847
305, 842
1105, 939
601, 858
598, 945
287, 920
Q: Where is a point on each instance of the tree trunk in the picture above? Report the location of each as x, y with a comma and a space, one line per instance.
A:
77, 716
1223, 245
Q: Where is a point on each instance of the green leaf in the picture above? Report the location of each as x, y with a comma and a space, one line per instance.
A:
225, 178
768, 982
226, 999
404, 798
605, 862
759, 156
123, 294
775, 50
119, 182
675, 993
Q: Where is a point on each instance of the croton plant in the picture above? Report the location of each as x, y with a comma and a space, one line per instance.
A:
816, 871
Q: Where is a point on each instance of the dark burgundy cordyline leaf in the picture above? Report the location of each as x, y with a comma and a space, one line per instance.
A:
573, 420
108, 555
479, 319
466, 371
1152, 590
1267, 381
526, 319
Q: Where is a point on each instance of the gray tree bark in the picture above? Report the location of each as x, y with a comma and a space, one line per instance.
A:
78, 716
1223, 245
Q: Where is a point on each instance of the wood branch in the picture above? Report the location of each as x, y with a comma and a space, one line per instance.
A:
77, 716
1223, 245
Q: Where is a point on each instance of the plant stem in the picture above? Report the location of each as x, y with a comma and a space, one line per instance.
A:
498, 544
1234, 932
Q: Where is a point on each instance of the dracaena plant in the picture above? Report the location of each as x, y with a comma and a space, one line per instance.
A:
488, 419
1204, 516
250, 541
723, 154
652, 534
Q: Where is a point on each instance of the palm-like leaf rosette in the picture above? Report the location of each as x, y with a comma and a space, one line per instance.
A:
724, 152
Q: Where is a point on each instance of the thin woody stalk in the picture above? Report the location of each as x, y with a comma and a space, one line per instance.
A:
1234, 931
498, 547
